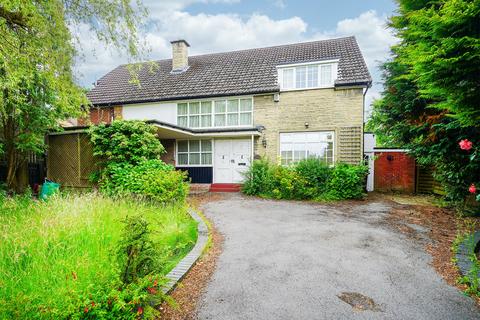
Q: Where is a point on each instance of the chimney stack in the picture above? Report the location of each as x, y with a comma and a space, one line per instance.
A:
179, 56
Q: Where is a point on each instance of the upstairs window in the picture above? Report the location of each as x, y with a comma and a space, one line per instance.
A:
217, 113
321, 75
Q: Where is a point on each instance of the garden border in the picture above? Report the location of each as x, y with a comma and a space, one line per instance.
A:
182, 268
463, 253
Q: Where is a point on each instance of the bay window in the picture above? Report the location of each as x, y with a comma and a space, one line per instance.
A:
194, 153
216, 113
297, 146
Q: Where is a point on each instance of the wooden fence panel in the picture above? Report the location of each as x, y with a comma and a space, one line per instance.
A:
70, 160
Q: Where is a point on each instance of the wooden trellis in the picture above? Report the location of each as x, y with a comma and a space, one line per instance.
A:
70, 159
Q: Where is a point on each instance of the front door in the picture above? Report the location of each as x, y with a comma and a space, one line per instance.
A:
232, 158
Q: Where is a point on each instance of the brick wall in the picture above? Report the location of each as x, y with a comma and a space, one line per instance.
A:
340, 111
394, 171
102, 115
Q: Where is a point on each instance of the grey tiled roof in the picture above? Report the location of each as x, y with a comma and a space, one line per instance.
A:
229, 73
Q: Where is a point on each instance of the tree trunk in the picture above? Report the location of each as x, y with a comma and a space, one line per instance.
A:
17, 167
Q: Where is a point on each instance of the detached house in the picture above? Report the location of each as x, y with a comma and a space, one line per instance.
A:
216, 112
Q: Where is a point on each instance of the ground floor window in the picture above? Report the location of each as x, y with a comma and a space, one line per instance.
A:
194, 153
296, 146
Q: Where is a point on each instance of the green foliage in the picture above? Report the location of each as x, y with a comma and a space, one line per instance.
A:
430, 98
68, 259
151, 179
126, 142
346, 182
38, 51
136, 252
308, 179
315, 174
257, 178
131, 164
471, 279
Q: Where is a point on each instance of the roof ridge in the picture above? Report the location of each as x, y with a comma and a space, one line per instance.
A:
249, 49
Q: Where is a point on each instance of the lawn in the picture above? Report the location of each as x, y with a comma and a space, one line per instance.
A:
57, 254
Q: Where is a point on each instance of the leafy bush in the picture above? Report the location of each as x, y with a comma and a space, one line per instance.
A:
151, 179
308, 179
346, 182
130, 153
316, 174
257, 178
136, 250
125, 142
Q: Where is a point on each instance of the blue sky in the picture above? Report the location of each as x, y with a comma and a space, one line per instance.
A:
225, 25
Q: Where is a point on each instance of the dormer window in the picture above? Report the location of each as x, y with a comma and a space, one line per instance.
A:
308, 76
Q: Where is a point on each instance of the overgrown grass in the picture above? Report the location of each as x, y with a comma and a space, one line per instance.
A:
54, 254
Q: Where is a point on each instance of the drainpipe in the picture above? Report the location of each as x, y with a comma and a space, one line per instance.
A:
363, 117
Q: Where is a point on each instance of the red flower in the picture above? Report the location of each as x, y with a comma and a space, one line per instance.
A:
93, 304
155, 283
465, 144
140, 310
472, 188
151, 290
85, 310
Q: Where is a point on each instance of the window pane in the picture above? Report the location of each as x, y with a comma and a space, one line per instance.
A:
194, 121
206, 158
182, 146
182, 108
182, 158
232, 105
194, 146
312, 76
194, 108
206, 107
246, 105
287, 78
301, 77
220, 106
206, 145
219, 120
298, 155
286, 157
245, 118
182, 121
326, 75
194, 158
232, 119
207, 121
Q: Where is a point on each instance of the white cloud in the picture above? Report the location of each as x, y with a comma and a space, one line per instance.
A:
223, 32
374, 39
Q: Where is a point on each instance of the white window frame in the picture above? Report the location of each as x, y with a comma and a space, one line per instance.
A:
332, 132
188, 165
332, 63
213, 113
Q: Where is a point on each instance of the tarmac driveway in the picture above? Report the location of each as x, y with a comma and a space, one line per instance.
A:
293, 260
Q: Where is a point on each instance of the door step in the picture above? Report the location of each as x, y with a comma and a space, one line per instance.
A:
225, 187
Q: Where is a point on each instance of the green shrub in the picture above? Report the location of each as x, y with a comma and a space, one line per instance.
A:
286, 183
346, 182
316, 174
257, 178
151, 179
308, 179
125, 142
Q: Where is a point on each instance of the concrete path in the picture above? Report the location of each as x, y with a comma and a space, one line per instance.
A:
289, 260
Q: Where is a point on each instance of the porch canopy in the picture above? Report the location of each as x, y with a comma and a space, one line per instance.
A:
171, 131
